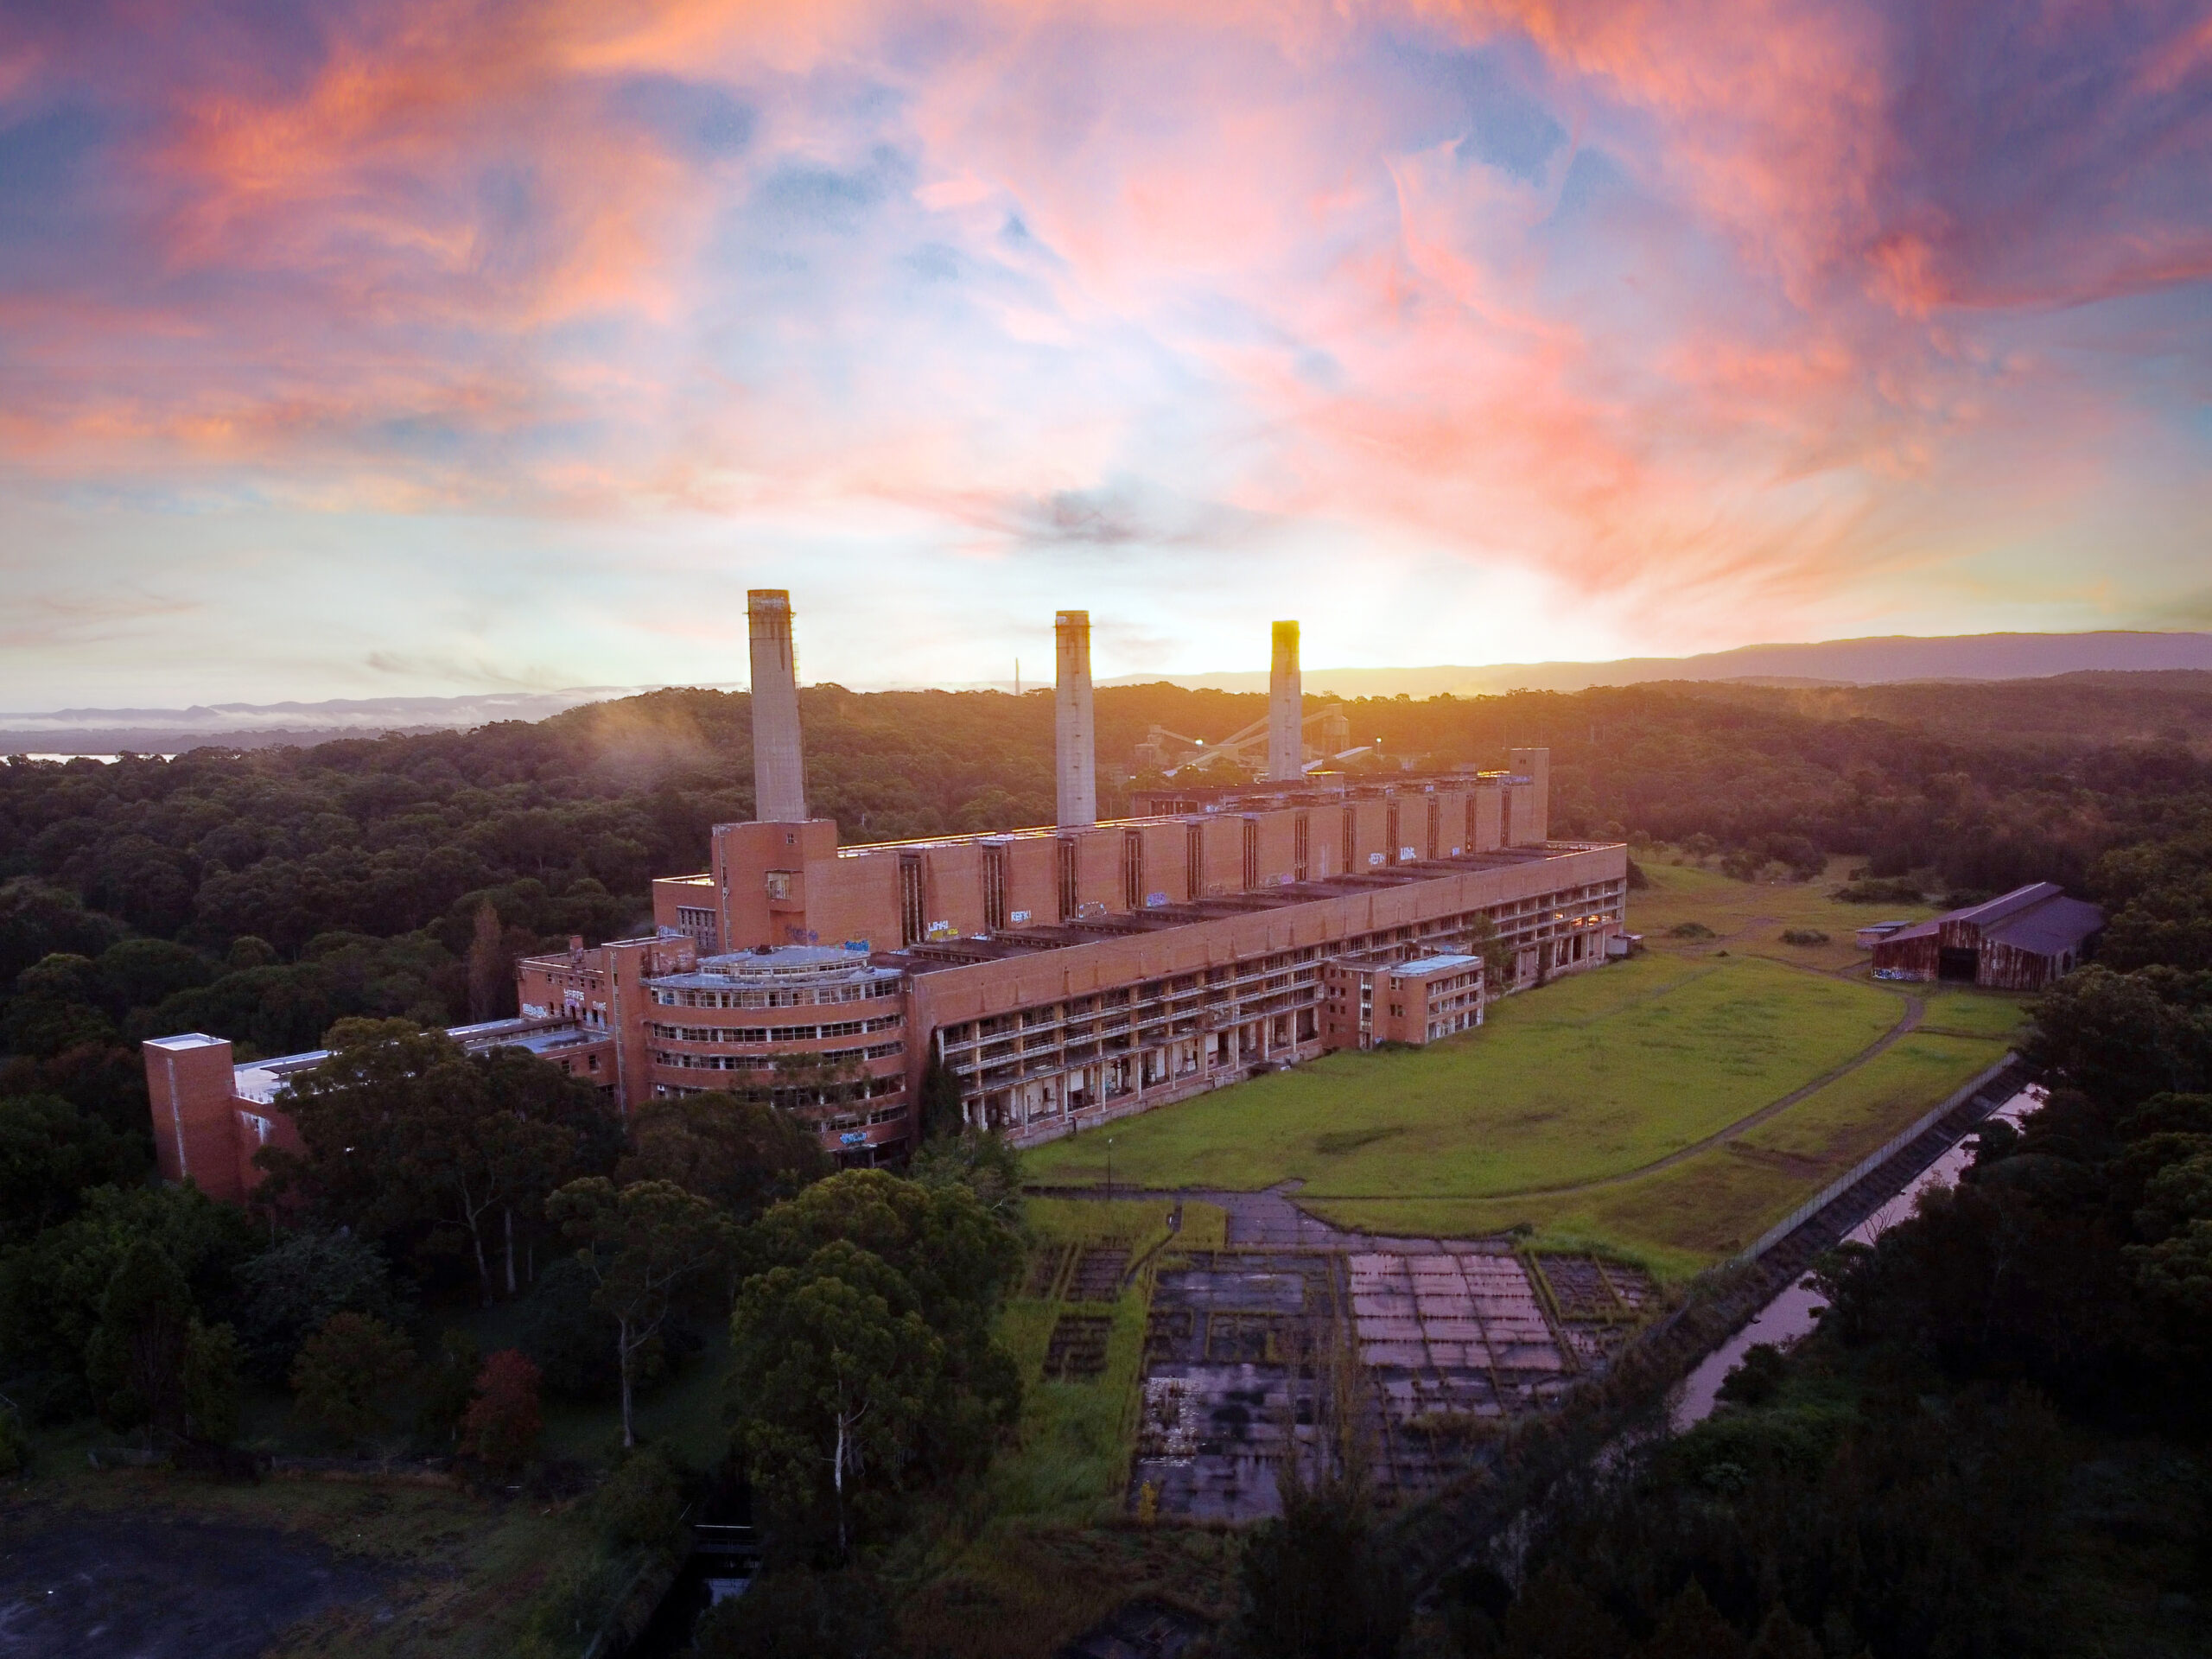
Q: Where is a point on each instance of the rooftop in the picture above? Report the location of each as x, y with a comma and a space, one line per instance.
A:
1443, 962
932, 955
775, 965
2038, 918
259, 1080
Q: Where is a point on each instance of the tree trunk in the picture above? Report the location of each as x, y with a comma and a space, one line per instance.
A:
483, 1268
622, 1348
837, 1479
510, 1214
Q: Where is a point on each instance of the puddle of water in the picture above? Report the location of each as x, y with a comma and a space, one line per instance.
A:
1796, 1309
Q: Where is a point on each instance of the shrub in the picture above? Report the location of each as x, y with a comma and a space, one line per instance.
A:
642, 1503
211, 1383
1691, 931
296, 1285
793, 1614
1877, 890
345, 1373
1804, 936
1754, 1379
448, 1385
504, 1420
15, 1440
571, 1342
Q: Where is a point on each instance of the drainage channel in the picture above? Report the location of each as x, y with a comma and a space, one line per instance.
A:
723, 1561
1796, 1307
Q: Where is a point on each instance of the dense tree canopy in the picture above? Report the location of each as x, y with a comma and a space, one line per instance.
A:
407, 1136
1934, 1471
863, 1358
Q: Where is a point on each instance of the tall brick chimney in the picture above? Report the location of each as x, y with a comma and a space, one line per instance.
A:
1074, 747
1286, 709
779, 763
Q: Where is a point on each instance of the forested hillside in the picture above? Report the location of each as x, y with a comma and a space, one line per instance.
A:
264, 895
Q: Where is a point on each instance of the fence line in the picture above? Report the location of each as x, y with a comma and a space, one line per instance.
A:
1873, 1161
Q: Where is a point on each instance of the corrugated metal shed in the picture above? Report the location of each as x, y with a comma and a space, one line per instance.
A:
2021, 940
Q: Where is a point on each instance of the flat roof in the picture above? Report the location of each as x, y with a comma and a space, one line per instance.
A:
259, 1080
778, 964
1442, 962
931, 956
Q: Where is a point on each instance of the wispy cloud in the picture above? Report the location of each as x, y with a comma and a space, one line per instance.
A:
1685, 323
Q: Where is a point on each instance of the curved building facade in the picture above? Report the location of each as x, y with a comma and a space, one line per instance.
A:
817, 1031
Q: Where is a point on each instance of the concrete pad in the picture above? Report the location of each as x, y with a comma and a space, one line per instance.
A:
1452, 1329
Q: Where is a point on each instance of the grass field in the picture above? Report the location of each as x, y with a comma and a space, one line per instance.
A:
1553, 1114
1590, 1076
1753, 916
1679, 1219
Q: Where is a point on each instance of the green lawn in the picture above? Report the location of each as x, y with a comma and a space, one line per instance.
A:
1970, 1013
1679, 1219
1589, 1077
1580, 1083
1832, 1127
1747, 916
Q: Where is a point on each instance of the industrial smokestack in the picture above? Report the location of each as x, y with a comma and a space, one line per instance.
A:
1286, 709
778, 764
1075, 738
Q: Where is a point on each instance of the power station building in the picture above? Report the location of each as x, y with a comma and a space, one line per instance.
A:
1065, 975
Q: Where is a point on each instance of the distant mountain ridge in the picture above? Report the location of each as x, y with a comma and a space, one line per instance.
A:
1882, 661
1876, 661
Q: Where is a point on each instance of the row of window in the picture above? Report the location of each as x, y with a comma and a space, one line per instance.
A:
889, 986
743, 1035
684, 1062
1029, 1021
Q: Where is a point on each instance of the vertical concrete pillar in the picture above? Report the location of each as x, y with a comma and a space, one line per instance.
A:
1075, 737
779, 763
1534, 827
1285, 708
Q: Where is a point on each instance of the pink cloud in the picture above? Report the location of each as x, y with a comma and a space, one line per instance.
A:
1687, 351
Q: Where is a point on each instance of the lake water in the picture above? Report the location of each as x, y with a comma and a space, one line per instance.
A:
1797, 1309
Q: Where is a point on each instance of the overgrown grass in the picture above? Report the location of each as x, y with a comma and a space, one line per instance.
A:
1593, 1075
1831, 1128
1678, 1220
1072, 1458
1050, 1553
1752, 916
1956, 1009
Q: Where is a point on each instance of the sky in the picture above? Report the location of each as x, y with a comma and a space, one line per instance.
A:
438, 346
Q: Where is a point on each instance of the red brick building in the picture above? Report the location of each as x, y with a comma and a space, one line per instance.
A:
1367, 1001
1063, 976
